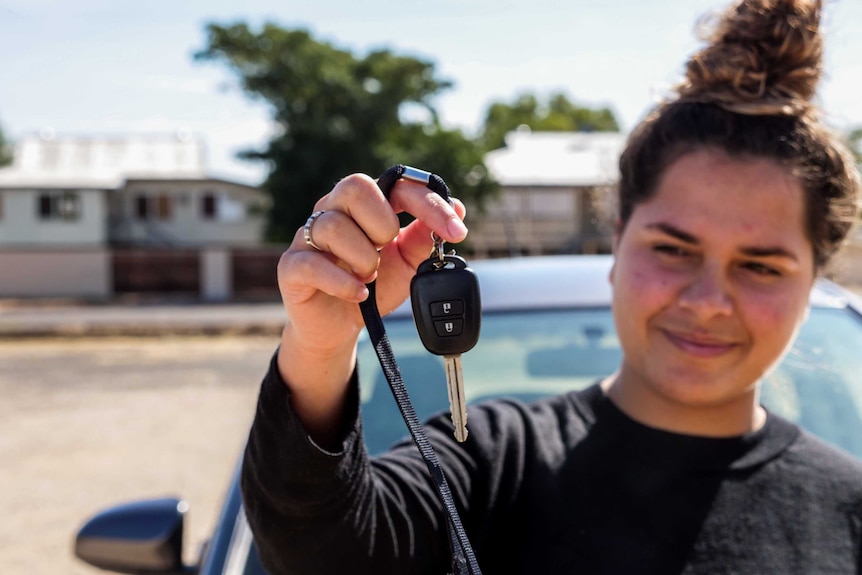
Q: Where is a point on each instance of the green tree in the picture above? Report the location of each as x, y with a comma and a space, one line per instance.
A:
5, 150
340, 113
558, 114
448, 153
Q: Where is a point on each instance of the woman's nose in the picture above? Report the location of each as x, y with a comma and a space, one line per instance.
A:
707, 293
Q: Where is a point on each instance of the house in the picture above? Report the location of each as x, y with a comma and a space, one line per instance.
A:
75, 211
130, 191
555, 189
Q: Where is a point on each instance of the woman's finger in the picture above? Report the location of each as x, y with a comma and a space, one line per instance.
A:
358, 197
430, 208
303, 272
336, 233
414, 241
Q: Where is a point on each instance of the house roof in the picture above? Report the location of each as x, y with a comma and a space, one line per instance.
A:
557, 158
102, 162
205, 180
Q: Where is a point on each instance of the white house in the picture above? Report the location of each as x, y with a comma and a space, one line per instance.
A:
554, 185
137, 190
68, 204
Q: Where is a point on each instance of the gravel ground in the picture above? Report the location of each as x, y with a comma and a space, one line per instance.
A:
88, 423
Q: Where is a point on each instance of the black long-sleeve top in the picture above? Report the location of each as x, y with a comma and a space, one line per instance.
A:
568, 484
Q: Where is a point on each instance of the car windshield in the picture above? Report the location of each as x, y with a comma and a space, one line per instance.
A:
530, 354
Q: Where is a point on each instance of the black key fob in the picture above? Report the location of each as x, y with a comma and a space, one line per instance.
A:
447, 309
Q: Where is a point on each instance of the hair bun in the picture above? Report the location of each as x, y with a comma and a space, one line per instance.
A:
763, 57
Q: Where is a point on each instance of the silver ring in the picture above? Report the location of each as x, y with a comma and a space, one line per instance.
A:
306, 230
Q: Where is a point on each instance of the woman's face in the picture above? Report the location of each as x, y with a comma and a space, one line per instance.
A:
711, 282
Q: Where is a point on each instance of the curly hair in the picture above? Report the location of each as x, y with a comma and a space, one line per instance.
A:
749, 92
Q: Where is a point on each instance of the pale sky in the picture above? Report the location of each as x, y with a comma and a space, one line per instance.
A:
97, 67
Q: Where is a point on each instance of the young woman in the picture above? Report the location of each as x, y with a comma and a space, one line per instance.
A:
732, 197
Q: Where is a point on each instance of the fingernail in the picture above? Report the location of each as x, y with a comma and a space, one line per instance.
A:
362, 294
457, 229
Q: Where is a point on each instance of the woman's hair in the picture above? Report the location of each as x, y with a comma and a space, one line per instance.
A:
749, 93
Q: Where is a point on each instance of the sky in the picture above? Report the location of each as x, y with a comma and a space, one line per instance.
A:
113, 67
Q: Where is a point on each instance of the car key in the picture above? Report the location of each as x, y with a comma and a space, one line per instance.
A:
447, 311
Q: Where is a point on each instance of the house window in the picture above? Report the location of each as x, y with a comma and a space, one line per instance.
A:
45, 209
142, 211
59, 206
208, 206
153, 207
163, 207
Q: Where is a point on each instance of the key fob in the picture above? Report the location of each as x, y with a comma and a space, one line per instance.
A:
447, 309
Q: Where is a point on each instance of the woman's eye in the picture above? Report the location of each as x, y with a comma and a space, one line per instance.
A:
669, 250
762, 269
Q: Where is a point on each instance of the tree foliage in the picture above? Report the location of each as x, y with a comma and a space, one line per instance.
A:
340, 113
558, 114
5, 150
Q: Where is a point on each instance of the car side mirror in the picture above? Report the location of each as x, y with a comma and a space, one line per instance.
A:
144, 536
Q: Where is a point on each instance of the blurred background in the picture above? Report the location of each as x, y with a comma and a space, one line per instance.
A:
155, 159
175, 148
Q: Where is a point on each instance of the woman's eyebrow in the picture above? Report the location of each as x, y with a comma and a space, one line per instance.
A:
769, 252
674, 231
752, 251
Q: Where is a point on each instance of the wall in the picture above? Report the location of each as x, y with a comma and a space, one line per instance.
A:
529, 221
20, 224
185, 225
55, 273
211, 274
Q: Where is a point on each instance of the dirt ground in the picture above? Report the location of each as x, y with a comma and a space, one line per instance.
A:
85, 424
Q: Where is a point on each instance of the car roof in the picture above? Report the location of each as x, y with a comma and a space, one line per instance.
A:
565, 281
540, 282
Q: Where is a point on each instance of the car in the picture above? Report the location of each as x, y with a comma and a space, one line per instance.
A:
546, 328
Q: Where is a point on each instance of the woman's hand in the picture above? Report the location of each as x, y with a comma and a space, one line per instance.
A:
360, 241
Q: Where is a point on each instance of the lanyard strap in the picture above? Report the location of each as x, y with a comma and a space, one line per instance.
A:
463, 559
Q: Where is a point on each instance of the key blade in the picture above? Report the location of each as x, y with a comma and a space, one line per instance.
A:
457, 399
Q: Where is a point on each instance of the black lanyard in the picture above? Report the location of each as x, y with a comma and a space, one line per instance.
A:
463, 559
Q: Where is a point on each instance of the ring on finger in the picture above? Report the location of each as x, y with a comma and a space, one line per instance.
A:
306, 230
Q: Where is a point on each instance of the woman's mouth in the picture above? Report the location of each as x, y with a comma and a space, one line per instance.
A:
698, 345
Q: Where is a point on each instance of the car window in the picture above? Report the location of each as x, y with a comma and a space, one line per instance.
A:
530, 354
819, 382
523, 355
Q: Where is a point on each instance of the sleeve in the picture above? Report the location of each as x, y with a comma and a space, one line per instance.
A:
313, 511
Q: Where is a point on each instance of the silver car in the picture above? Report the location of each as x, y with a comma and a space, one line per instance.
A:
546, 328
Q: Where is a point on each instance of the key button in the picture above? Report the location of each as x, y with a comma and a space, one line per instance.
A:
449, 327
447, 308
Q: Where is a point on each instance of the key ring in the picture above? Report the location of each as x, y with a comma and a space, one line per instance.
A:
437, 249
